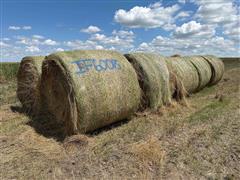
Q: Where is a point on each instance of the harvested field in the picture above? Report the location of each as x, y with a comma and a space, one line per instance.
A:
201, 141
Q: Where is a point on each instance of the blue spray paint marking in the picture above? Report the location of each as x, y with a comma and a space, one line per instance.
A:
85, 65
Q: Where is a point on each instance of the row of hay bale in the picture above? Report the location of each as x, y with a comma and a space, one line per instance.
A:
86, 90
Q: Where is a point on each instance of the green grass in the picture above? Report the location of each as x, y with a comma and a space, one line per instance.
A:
208, 111
8, 70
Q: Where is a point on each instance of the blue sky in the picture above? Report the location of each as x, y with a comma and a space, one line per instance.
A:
30, 27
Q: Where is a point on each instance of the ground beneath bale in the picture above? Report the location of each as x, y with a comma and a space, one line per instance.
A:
178, 142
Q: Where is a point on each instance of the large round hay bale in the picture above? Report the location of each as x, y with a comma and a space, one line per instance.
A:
185, 71
28, 79
89, 89
153, 76
203, 68
217, 68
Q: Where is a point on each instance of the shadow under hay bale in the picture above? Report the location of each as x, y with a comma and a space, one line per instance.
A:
87, 90
28, 78
153, 77
46, 125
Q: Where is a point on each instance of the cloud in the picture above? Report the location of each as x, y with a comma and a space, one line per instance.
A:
32, 49
219, 12
193, 29
182, 14
38, 37
26, 27
171, 45
91, 29
15, 28
182, 1
152, 16
3, 44
59, 49
50, 42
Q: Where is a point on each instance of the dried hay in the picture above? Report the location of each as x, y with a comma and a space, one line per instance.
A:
28, 79
153, 77
89, 89
203, 68
176, 55
217, 68
177, 88
185, 71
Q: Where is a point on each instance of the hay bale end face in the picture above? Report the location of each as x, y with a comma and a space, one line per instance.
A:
203, 69
217, 68
153, 77
28, 79
89, 89
185, 71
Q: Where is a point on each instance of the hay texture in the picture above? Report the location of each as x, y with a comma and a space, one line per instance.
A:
28, 79
153, 76
203, 68
217, 68
89, 89
185, 72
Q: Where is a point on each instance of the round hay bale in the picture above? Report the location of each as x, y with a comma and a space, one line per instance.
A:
176, 55
203, 68
28, 79
87, 90
177, 88
153, 77
185, 71
217, 68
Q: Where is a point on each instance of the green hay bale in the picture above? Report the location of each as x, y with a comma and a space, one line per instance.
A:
153, 78
28, 79
86, 90
217, 68
203, 68
185, 71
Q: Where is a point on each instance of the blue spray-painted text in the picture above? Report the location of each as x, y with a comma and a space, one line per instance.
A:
85, 65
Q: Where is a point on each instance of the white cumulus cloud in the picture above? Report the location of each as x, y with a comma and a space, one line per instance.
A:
26, 27
32, 49
91, 29
15, 28
50, 42
152, 16
193, 29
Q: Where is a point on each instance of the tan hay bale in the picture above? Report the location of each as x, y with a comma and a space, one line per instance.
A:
153, 76
185, 71
28, 79
217, 68
203, 68
176, 55
177, 88
89, 89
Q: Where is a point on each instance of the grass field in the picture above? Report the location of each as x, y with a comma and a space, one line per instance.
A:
8, 71
198, 141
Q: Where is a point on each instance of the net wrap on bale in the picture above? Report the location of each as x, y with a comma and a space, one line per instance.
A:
89, 89
28, 80
217, 68
203, 69
153, 76
185, 71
